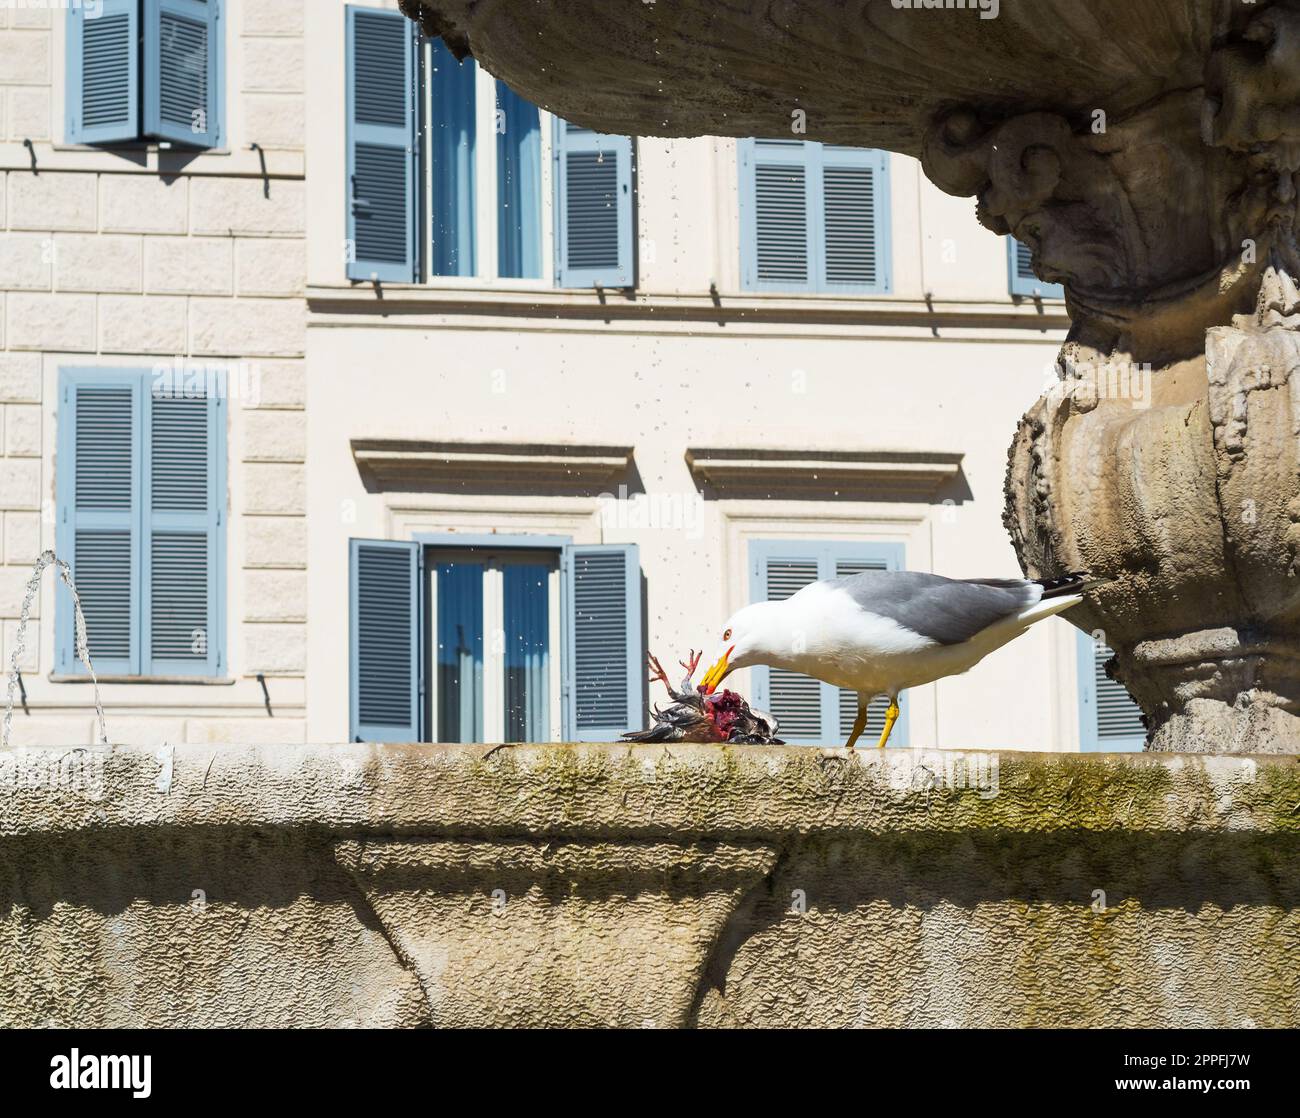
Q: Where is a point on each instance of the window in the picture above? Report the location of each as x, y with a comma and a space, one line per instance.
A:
146, 70
451, 174
508, 690
141, 520
811, 712
813, 218
1109, 720
1020, 270
527, 639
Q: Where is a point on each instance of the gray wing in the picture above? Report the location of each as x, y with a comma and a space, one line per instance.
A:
946, 610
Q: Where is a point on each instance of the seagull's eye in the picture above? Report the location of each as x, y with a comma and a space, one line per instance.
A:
727, 635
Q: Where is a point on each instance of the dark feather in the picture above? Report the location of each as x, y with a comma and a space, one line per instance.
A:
722, 716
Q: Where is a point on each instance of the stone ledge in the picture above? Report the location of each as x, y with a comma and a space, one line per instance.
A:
644, 791
779, 472
403, 463
561, 885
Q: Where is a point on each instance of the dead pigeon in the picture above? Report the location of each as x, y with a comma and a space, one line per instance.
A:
694, 716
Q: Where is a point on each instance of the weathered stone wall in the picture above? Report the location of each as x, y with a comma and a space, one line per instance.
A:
691, 885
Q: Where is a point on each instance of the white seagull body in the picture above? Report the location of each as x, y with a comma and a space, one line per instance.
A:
881, 632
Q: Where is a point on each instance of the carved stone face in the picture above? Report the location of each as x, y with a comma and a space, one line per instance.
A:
1198, 188
1096, 205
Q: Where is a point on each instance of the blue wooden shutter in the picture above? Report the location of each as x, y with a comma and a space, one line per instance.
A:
777, 195
182, 545
594, 221
103, 88
813, 218
811, 712
382, 151
184, 65
604, 656
385, 623
1020, 273
98, 489
1109, 720
853, 222
795, 700
852, 561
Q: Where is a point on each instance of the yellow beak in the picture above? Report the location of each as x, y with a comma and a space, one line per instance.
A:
717, 673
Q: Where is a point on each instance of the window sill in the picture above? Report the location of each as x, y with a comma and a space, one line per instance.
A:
665, 307
479, 285
138, 147
147, 159
207, 681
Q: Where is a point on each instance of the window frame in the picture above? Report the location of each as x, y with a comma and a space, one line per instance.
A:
812, 157
827, 552
1027, 287
494, 556
486, 273
1090, 740
429, 545
67, 667
143, 140
486, 199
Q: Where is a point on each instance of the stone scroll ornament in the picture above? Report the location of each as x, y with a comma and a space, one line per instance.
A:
1166, 454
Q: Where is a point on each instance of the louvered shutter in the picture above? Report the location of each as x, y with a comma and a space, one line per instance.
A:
811, 712
795, 700
593, 208
853, 222
182, 543
98, 486
1020, 271
382, 152
1110, 721
604, 655
385, 626
103, 58
847, 701
776, 195
184, 71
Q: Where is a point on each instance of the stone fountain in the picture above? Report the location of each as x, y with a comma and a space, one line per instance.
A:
1148, 154
1147, 151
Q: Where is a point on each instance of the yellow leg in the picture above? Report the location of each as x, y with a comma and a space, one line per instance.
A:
891, 716
859, 724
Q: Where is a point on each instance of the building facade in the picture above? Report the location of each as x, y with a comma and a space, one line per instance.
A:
423, 415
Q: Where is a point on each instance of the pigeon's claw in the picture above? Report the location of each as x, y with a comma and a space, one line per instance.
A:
657, 673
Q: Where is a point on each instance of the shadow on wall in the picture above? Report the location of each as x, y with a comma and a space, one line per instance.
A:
1071, 928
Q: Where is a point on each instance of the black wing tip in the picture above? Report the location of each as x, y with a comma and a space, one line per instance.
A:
1076, 582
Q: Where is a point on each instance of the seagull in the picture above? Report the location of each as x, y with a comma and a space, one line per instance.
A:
881, 632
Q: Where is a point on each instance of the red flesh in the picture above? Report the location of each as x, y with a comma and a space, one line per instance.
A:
723, 708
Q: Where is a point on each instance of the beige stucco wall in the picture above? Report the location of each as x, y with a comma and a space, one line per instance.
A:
607, 885
132, 257
661, 393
